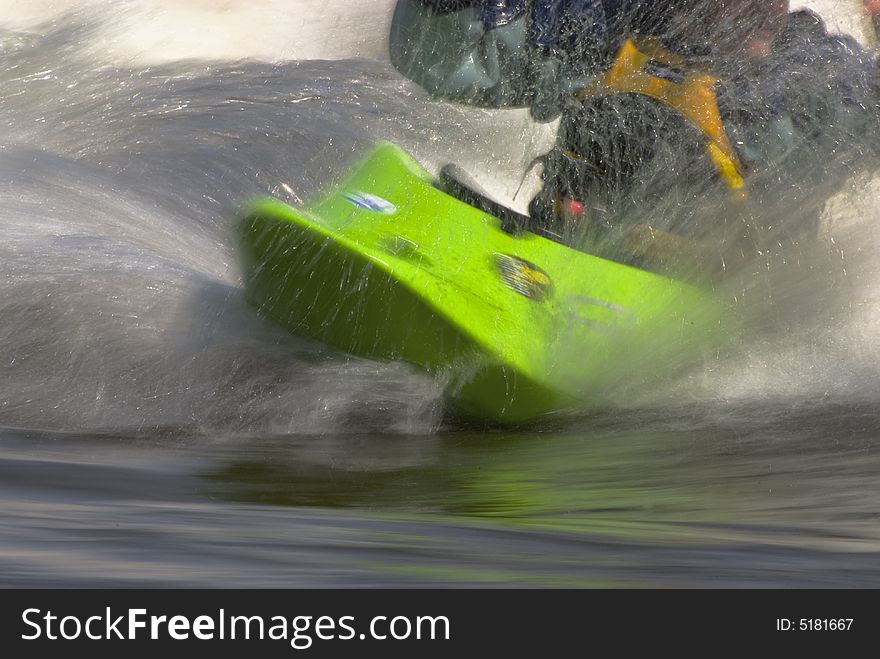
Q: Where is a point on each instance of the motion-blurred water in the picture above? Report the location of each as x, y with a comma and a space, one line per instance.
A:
156, 432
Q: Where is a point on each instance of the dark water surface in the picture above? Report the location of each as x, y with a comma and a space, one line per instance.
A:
662, 503
154, 431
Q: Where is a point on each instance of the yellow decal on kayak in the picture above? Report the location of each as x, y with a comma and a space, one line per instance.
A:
524, 277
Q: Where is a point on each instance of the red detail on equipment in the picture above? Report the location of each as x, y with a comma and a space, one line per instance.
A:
573, 206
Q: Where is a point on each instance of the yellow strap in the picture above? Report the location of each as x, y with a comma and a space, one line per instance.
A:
693, 97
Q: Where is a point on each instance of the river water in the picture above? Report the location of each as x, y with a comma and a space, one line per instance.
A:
155, 432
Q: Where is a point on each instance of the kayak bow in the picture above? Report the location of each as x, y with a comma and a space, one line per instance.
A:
389, 266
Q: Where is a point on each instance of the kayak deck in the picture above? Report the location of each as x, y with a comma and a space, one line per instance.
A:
388, 266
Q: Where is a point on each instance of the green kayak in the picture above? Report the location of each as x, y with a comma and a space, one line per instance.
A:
389, 266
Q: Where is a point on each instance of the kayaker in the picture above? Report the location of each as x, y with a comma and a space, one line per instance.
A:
681, 110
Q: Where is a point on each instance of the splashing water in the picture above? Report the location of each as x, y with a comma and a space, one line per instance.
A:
125, 152
156, 431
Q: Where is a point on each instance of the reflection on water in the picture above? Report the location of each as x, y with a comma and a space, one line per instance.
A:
703, 501
665, 478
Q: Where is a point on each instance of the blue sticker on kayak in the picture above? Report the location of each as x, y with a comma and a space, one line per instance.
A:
371, 202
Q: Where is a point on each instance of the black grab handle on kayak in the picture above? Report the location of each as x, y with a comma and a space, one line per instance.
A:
458, 183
